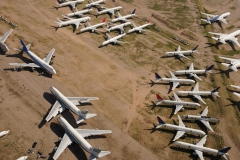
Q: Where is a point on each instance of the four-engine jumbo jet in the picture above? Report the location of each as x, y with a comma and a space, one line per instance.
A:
181, 128
213, 18
181, 54
92, 28
226, 37
76, 22
3, 133
234, 63
38, 62
176, 81
139, 29
120, 27
123, 18
193, 73
72, 4
70, 103
178, 103
202, 118
110, 11
94, 4
197, 94
79, 13
113, 40
77, 135
199, 149
3, 46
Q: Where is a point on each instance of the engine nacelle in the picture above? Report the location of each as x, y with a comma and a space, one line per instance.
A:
182, 109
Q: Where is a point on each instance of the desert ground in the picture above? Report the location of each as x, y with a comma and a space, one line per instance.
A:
119, 76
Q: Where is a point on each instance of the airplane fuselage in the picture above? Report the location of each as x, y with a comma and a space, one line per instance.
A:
94, 3
176, 80
112, 40
169, 102
181, 72
219, 17
229, 36
123, 18
70, 3
4, 47
3, 133
199, 118
204, 93
73, 21
109, 10
79, 13
91, 28
139, 28
118, 26
176, 53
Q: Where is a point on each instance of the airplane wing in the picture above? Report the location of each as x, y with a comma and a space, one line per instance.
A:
196, 88
77, 24
112, 12
237, 87
92, 132
176, 97
229, 59
206, 123
179, 48
217, 34
205, 112
79, 100
108, 36
120, 42
48, 58
224, 21
172, 75
210, 15
181, 55
178, 108
195, 76
121, 29
175, 84
191, 67
199, 98
5, 36
178, 135
33, 65
200, 154
66, 141
180, 121
237, 94
73, 4
235, 40
202, 141
56, 108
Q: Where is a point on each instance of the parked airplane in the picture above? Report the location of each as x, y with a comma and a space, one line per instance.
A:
92, 28
3, 46
181, 54
226, 37
37, 62
22, 158
178, 103
213, 18
237, 87
124, 18
120, 27
181, 128
79, 13
96, 3
110, 11
70, 103
234, 63
3, 133
176, 81
139, 29
197, 94
199, 149
113, 40
202, 118
72, 4
193, 73
76, 22
77, 136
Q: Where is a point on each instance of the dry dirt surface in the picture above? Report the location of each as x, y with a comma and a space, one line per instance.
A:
118, 75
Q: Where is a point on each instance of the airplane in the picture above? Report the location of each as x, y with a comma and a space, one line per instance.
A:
113, 40
120, 27
77, 135
139, 29
22, 158
193, 73
226, 37
176, 81
96, 3
181, 128
76, 22
197, 94
213, 18
234, 63
181, 54
202, 118
72, 4
70, 103
178, 103
79, 13
92, 28
37, 62
110, 11
238, 87
123, 18
3, 133
3, 46
199, 149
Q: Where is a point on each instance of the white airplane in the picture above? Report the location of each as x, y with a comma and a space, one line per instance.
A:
3, 133
226, 37
181, 54
79, 13
234, 63
113, 40
175, 80
202, 118
96, 3
37, 62
197, 94
70, 103
238, 87
193, 73
213, 18
124, 18
3, 39
92, 28
72, 4
76, 22
77, 136
22, 158
110, 11
178, 103
139, 29
181, 128
199, 149
120, 27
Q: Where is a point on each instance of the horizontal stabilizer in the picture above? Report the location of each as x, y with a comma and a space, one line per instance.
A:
87, 116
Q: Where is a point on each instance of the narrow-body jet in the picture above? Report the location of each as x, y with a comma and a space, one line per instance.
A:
93, 28
181, 54
123, 18
71, 21
110, 11
223, 38
213, 18
113, 40
71, 4
120, 27
139, 29
234, 63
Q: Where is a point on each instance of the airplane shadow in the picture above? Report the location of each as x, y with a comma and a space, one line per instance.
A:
216, 45
231, 45
2, 52
175, 57
219, 24
236, 103
226, 72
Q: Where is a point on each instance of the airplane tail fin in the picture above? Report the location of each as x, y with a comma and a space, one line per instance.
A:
59, 2
159, 98
224, 150
215, 91
104, 20
149, 20
160, 121
133, 12
157, 76
24, 48
195, 48
209, 69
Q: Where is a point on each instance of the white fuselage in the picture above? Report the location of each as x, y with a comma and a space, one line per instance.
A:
112, 40
178, 52
118, 26
70, 3
204, 93
79, 13
199, 118
176, 80
219, 17
123, 18
109, 10
94, 3
181, 72
73, 21
3, 133
91, 28
169, 102
139, 28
